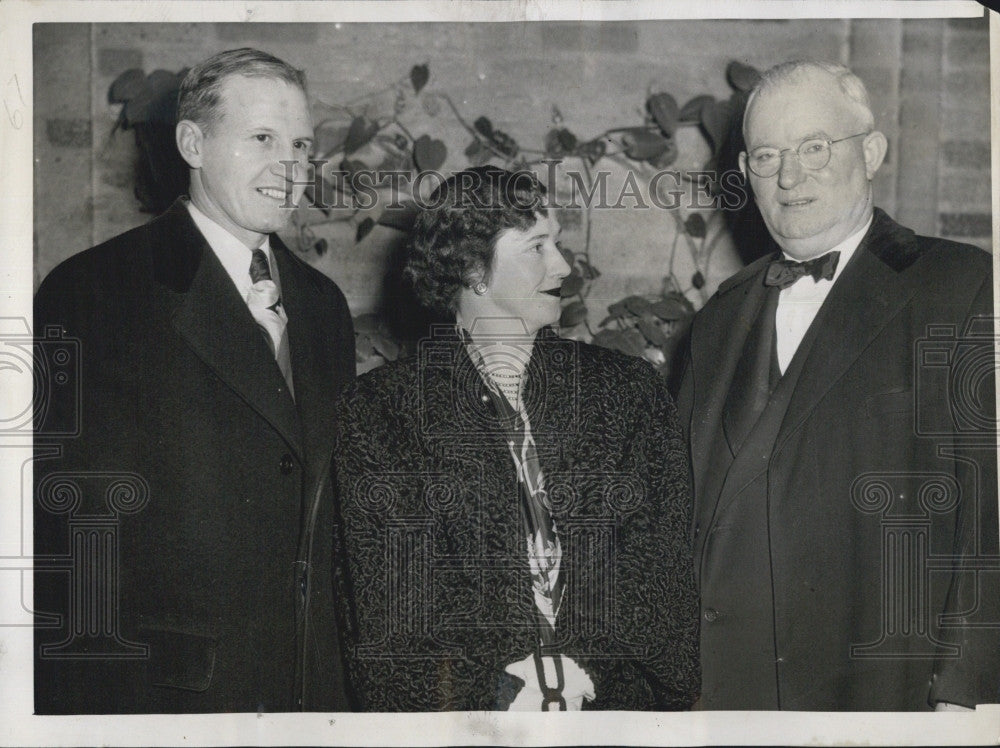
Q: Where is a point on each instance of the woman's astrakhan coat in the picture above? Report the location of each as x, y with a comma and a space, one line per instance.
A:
436, 560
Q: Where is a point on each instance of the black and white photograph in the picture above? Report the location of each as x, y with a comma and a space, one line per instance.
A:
373, 371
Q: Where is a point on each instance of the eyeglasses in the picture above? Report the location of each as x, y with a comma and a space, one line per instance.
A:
813, 154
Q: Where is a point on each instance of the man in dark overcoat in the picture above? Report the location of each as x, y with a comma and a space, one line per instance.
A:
839, 402
183, 536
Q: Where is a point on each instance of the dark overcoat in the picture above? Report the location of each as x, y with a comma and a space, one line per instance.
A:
866, 493
204, 587
437, 555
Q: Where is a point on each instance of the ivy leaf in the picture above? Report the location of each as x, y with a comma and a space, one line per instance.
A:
695, 226
588, 271
605, 339
419, 75
615, 311
429, 153
363, 348
691, 112
641, 144
571, 284
384, 346
400, 218
698, 280
126, 86
560, 141
666, 157
632, 342
360, 133
155, 100
637, 305
573, 314
484, 127
330, 138
504, 143
652, 332
592, 151
742, 77
364, 228
715, 117
669, 309
567, 139
477, 153
629, 341
366, 323
664, 110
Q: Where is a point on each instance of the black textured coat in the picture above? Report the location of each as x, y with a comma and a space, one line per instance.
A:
437, 557
880, 482
193, 458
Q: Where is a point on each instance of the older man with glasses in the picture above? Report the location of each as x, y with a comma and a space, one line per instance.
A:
840, 407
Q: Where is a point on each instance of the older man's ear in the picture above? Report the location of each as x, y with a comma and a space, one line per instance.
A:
874, 146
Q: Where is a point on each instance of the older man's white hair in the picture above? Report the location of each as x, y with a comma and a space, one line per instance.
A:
850, 85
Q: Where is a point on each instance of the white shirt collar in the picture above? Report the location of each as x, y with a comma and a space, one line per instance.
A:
232, 253
846, 248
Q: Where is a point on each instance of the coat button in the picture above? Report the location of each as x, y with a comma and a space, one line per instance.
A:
287, 464
711, 614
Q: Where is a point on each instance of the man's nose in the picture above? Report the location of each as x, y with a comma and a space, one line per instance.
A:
290, 164
791, 170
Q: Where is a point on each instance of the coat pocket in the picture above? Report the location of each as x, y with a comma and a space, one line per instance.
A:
893, 401
178, 659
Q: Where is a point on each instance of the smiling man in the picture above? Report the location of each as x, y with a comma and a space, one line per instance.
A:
211, 358
840, 410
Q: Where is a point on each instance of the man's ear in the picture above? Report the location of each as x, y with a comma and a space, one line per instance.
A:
190, 139
874, 147
743, 164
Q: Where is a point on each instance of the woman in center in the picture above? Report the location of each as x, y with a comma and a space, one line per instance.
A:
515, 506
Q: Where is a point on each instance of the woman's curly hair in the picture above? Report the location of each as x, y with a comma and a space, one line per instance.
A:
455, 232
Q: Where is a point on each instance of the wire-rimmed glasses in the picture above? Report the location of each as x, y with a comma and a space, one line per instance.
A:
813, 154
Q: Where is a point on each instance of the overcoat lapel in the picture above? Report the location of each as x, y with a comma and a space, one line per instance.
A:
716, 350
864, 299
313, 369
869, 293
214, 321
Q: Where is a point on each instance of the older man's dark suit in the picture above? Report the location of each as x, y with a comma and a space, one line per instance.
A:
800, 517
181, 394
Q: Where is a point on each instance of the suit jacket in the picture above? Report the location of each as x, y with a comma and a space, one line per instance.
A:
437, 557
868, 489
183, 536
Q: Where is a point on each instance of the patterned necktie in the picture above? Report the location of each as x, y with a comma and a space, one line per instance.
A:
783, 273
264, 301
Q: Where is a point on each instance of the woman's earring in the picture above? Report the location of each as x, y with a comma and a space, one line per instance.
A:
479, 288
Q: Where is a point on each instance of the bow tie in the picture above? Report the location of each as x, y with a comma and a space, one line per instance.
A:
783, 273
